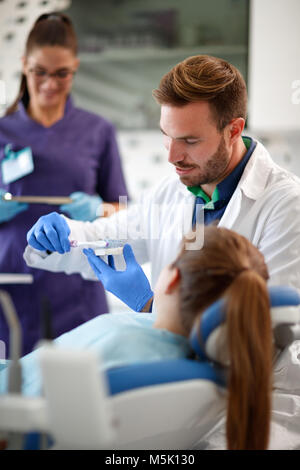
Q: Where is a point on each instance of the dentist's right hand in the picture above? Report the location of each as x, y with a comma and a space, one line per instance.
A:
51, 232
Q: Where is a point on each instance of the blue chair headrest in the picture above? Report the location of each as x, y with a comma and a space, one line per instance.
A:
211, 323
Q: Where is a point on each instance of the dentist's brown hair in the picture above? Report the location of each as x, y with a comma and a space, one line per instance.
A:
205, 78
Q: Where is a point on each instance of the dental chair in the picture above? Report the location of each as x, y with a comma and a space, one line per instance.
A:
161, 405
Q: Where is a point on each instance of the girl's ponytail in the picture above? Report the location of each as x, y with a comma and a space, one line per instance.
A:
249, 337
230, 267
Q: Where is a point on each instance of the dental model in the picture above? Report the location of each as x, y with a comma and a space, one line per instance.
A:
101, 247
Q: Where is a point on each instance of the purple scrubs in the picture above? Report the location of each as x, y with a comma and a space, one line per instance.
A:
77, 153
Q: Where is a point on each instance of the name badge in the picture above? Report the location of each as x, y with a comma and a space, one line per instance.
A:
15, 165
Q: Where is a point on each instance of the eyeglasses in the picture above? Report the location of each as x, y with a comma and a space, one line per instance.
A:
62, 75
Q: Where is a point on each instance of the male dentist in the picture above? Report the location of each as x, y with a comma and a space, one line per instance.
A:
219, 175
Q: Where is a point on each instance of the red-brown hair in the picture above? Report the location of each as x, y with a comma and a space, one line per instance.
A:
205, 78
229, 266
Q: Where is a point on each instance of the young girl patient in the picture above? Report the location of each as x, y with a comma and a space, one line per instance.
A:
227, 266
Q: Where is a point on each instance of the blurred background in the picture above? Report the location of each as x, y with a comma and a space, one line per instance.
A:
125, 46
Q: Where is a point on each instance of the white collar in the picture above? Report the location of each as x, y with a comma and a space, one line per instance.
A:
255, 176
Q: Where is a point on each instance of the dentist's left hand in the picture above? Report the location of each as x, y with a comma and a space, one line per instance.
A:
131, 286
51, 232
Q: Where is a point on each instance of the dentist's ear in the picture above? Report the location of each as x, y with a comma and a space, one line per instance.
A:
173, 280
76, 63
235, 129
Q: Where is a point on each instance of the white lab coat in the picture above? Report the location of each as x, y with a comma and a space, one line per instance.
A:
265, 208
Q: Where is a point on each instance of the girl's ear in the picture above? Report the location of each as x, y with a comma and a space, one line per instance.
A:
23, 61
173, 280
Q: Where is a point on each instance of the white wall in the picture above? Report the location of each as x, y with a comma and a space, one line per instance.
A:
274, 65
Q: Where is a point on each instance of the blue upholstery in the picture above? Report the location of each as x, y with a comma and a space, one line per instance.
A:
126, 378
211, 318
214, 315
135, 376
283, 296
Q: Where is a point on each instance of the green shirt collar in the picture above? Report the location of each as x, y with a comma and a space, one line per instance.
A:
198, 192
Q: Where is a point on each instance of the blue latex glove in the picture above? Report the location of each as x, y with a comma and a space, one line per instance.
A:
131, 286
84, 207
8, 210
51, 232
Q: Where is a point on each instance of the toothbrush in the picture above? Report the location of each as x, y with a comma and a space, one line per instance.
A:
95, 244
101, 247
